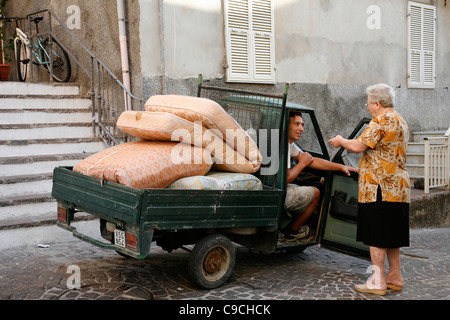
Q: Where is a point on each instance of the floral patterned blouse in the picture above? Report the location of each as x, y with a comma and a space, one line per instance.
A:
383, 162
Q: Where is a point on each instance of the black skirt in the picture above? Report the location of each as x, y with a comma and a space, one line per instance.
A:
383, 224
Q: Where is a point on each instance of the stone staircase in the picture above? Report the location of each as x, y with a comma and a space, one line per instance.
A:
42, 126
415, 153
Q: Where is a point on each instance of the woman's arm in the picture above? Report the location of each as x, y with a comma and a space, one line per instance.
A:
351, 145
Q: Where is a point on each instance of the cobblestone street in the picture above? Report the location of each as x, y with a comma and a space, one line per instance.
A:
36, 273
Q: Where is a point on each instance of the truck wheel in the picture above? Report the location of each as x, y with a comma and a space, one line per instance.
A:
211, 261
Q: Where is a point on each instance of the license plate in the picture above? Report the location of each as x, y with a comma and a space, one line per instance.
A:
119, 238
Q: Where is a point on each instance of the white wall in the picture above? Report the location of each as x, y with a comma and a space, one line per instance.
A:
317, 41
326, 43
191, 41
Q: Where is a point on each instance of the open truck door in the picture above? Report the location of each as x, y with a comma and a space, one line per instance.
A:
340, 211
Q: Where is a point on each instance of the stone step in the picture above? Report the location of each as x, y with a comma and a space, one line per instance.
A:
10, 166
25, 199
11, 148
415, 169
10, 88
40, 103
415, 158
28, 210
25, 185
38, 116
52, 131
418, 136
415, 147
42, 126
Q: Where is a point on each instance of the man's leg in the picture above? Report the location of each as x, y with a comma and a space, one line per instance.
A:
301, 218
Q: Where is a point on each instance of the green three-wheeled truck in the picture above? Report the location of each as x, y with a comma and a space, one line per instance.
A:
215, 220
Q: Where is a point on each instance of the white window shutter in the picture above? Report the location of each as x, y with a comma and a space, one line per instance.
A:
237, 27
428, 46
249, 41
262, 28
421, 45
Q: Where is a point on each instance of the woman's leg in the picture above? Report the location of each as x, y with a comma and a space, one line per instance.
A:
377, 255
395, 275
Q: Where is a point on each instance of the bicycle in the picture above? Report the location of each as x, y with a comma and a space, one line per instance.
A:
57, 63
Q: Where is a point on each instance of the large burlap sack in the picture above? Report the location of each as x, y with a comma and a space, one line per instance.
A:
165, 126
146, 164
212, 116
219, 181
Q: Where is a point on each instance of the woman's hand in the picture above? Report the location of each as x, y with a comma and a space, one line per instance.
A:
336, 141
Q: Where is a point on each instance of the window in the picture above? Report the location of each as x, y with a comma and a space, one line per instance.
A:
421, 45
249, 34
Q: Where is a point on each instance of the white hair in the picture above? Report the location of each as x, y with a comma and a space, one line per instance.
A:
382, 93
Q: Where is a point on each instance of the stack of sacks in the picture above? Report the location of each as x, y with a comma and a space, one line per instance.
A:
146, 164
182, 137
197, 121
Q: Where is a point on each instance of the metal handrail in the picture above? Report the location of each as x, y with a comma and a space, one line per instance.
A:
109, 96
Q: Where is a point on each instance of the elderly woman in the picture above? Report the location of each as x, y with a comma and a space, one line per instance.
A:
384, 189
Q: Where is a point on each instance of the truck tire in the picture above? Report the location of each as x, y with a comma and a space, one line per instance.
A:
212, 261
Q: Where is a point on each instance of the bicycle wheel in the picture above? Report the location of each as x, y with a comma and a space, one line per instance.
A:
22, 61
61, 63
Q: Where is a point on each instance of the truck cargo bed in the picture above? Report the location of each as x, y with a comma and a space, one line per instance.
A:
167, 209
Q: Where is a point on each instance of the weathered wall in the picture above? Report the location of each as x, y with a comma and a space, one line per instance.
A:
98, 31
323, 48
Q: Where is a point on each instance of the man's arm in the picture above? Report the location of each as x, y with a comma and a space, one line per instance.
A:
322, 164
304, 159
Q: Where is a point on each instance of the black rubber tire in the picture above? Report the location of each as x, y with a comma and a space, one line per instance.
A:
21, 61
62, 69
212, 261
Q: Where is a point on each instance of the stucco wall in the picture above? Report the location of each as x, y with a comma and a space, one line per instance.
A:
324, 48
97, 30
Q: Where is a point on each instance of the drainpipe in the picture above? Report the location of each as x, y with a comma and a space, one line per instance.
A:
124, 50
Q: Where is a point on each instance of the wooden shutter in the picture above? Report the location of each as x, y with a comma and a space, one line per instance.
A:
421, 45
249, 41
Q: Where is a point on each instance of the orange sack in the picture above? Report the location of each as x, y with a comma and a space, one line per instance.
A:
146, 164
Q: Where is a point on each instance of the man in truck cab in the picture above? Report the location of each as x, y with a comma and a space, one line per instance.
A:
301, 201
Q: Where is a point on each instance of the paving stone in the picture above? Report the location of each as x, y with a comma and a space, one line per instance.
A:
32, 273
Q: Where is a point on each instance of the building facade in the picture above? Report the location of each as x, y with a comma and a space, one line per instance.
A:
328, 50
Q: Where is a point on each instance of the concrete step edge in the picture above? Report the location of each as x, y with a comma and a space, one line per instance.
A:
44, 158
26, 178
41, 220
48, 141
26, 199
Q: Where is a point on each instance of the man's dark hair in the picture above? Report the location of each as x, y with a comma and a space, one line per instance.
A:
292, 114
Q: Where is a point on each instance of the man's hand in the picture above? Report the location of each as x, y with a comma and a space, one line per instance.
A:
305, 159
347, 170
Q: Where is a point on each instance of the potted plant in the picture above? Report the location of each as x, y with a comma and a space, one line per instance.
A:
4, 43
